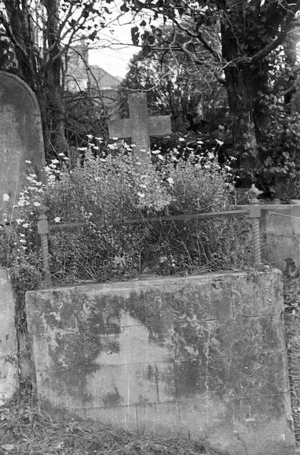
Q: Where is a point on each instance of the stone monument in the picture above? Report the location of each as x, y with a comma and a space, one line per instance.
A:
139, 126
21, 138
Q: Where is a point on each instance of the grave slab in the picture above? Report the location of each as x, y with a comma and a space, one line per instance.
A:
21, 138
200, 356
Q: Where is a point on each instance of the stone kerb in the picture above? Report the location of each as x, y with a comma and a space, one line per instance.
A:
280, 231
8, 342
197, 356
280, 227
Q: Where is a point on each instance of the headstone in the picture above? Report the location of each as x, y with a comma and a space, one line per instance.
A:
139, 127
21, 139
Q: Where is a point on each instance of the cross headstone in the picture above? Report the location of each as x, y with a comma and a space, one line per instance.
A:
21, 138
139, 126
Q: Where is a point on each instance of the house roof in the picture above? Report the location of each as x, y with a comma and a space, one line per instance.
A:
101, 78
87, 76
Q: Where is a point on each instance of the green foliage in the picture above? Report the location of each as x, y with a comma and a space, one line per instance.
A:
278, 171
101, 193
35, 37
191, 95
242, 39
174, 86
7, 59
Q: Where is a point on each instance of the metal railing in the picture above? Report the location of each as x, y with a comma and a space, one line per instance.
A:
253, 212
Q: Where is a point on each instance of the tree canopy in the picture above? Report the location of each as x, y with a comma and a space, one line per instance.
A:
35, 36
191, 95
247, 46
242, 38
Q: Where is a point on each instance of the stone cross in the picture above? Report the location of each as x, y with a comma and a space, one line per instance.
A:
139, 127
21, 139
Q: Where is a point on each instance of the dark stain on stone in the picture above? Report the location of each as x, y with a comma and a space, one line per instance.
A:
150, 372
75, 352
113, 398
189, 379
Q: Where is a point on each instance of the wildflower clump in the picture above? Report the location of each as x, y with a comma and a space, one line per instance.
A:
117, 206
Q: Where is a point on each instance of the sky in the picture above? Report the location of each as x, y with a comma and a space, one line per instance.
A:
115, 48
114, 61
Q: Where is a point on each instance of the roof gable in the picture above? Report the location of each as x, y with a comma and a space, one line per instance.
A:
102, 78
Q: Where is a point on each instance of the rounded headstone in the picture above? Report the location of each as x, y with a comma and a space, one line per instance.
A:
21, 139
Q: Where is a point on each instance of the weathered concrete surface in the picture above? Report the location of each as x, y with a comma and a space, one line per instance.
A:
21, 137
197, 356
8, 342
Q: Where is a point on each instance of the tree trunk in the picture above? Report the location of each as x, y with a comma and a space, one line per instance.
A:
56, 139
245, 83
53, 108
22, 27
42, 72
241, 107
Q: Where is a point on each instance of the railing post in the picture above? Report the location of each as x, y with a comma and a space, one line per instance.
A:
43, 231
254, 214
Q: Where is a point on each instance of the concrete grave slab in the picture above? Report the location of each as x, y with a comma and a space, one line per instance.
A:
200, 356
21, 137
8, 342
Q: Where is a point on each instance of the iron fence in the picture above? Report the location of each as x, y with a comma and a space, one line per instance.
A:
253, 211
